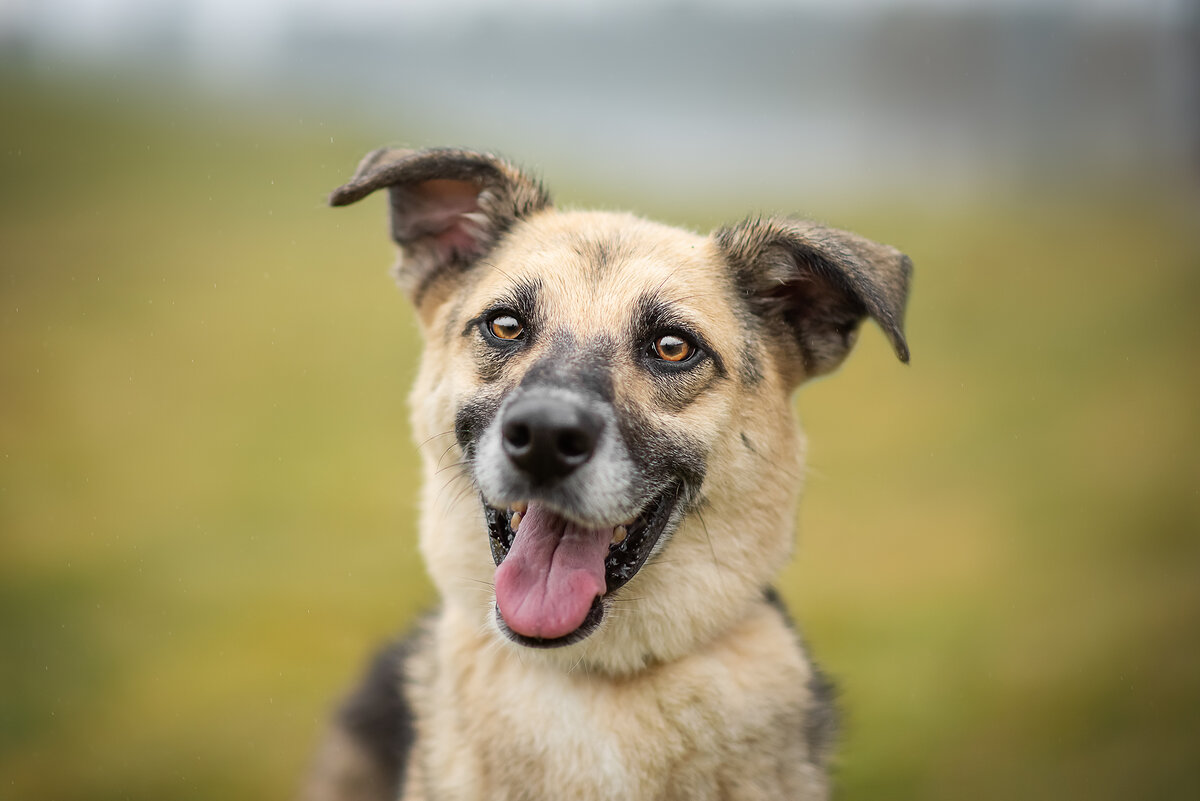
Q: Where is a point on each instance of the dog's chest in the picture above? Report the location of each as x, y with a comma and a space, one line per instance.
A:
502, 728
553, 736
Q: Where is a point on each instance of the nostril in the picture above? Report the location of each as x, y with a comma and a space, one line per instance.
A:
574, 443
547, 437
517, 435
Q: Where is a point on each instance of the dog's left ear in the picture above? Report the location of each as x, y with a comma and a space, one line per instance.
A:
816, 284
448, 207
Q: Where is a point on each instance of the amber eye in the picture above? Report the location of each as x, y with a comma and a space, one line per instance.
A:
505, 326
672, 348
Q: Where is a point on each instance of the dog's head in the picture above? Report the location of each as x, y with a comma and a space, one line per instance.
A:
618, 463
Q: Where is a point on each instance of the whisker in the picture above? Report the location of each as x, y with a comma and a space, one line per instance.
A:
443, 456
487, 584
712, 549
432, 438
461, 492
461, 495
497, 269
578, 662
663, 282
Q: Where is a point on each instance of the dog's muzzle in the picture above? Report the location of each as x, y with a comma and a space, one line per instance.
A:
566, 520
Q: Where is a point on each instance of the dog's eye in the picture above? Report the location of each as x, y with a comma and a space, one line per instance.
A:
671, 348
505, 326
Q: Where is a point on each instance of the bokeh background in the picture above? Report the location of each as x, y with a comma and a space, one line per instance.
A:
207, 485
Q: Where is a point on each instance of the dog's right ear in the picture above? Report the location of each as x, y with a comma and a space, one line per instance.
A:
448, 207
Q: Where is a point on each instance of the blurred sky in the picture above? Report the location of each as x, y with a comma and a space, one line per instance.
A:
754, 99
221, 26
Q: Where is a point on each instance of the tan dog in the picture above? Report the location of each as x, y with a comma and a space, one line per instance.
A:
619, 496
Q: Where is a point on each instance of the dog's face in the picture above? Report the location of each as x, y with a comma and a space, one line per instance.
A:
612, 464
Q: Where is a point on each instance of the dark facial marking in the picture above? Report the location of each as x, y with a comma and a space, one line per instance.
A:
749, 370
598, 254
520, 298
572, 365
676, 385
491, 355
653, 317
663, 455
678, 390
490, 361
471, 420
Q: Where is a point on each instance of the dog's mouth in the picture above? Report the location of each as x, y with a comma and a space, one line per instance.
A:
552, 574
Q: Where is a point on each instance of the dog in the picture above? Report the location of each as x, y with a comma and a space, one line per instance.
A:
616, 495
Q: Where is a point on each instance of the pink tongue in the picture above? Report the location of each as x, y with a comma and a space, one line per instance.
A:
553, 572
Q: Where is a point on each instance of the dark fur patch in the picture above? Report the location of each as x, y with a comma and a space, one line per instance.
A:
678, 390
379, 717
663, 455
654, 316
471, 420
491, 357
775, 600
820, 719
598, 253
749, 370
490, 362
675, 388
522, 297
569, 365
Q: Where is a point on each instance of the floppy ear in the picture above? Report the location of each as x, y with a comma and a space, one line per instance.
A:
449, 207
816, 284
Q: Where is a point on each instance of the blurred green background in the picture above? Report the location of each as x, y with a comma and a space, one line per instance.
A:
208, 489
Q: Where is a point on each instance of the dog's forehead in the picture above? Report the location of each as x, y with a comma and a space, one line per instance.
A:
603, 266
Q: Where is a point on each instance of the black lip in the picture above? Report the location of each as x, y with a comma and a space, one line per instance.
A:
626, 559
622, 563
589, 624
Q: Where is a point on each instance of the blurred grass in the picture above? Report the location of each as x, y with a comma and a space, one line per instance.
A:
207, 486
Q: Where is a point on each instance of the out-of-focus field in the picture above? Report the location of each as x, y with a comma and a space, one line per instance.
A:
207, 486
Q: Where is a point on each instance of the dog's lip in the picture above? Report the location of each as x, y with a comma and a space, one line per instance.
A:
625, 557
589, 625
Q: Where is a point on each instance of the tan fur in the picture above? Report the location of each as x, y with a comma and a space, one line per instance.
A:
719, 560
693, 686
722, 722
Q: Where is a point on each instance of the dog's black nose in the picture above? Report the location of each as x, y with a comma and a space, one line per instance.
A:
548, 438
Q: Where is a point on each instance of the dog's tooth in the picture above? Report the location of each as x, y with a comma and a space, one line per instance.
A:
619, 535
521, 506
516, 521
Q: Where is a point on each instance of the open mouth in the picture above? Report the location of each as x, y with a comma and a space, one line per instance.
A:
552, 573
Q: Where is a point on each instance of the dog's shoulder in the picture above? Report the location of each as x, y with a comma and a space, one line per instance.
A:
365, 752
821, 714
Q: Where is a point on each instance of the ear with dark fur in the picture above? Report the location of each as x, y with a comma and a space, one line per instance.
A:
817, 284
449, 207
